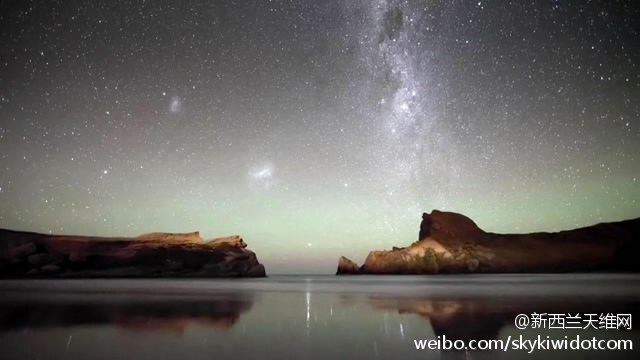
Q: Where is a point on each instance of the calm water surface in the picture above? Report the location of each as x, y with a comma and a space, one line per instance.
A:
301, 317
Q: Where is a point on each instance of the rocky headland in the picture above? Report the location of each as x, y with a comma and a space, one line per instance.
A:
34, 255
452, 243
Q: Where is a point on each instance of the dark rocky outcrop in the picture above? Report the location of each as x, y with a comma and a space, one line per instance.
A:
346, 266
452, 243
26, 254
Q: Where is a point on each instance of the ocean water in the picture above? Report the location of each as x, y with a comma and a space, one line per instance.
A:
309, 317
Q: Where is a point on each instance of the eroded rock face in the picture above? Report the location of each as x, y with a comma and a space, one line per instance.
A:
24, 254
445, 225
257, 270
453, 243
192, 237
346, 266
233, 241
21, 250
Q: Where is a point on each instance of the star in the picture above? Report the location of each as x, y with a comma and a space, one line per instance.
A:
293, 126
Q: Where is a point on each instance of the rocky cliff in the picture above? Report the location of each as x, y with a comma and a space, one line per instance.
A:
452, 243
26, 254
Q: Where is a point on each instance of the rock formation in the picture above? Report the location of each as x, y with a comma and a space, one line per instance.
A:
26, 254
346, 266
192, 237
233, 241
452, 243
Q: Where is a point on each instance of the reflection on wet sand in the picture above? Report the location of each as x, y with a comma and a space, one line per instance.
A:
298, 317
484, 317
165, 314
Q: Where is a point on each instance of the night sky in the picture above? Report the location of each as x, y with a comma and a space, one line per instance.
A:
317, 128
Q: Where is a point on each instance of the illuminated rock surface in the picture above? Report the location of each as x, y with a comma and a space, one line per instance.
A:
25, 254
453, 243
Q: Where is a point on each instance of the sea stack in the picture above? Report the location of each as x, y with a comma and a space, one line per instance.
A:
346, 266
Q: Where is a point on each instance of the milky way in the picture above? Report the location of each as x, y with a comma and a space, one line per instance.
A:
317, 129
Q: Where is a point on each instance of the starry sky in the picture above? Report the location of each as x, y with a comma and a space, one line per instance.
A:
317, 128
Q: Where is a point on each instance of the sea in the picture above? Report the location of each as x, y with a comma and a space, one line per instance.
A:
324, 317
